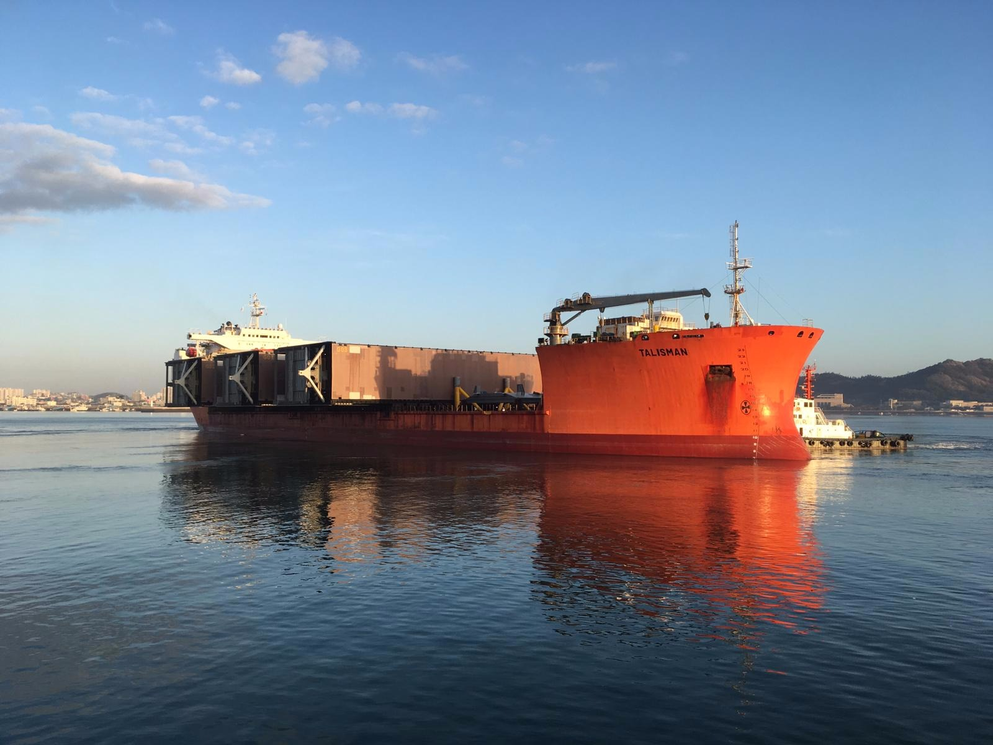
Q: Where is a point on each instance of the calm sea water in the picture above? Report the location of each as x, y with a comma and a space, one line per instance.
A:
158, 585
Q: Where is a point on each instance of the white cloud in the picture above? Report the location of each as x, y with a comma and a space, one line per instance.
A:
412, 111
42, 111
120, 126
321, 114
175, 168
209, 102
9, 222
344, 54
181, 148
257, 141
118, 41
304, 57
436, 64
517, 146
137, 132
511, 162
676, 58
9, 115
25, 134
158, 26
417, 113
50, 170
592, 68
97, 94
195, 124
229, 70
357, 107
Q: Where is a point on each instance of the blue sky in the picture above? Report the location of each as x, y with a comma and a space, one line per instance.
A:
440, 175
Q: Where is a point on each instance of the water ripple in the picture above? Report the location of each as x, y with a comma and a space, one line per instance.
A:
162, 585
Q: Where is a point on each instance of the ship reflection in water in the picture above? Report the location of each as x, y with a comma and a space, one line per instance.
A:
693, 553
651, 551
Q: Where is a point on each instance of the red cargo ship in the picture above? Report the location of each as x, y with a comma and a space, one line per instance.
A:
638, 385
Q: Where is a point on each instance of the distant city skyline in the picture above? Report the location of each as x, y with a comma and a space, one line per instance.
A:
439, 175
18, 399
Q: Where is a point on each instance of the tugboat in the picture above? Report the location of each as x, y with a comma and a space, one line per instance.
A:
821, 433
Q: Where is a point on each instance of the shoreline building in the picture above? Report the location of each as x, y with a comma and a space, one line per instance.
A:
8, 395
831, 401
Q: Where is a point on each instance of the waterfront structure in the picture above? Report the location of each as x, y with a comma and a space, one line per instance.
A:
832, 400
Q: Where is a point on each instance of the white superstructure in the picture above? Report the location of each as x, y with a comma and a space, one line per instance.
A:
813, 425
230, 337
627, 327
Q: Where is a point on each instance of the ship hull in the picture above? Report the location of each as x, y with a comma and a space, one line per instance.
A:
709, 393
497, 431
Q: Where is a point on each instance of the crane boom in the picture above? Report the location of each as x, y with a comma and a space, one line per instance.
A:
556, 330
587, 302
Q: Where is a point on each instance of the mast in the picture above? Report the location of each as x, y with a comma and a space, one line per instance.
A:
734, 290
808, 382
257, 309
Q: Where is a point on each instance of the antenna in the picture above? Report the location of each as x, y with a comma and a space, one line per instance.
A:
737, 265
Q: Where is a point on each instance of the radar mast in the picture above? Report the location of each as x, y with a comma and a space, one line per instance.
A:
257, 309
734, 290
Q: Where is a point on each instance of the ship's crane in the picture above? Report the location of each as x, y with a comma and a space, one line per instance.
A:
556, 330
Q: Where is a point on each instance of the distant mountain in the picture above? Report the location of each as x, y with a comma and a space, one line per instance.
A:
971, 381
107, 394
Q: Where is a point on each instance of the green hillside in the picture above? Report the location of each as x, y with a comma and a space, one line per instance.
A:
972, 381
